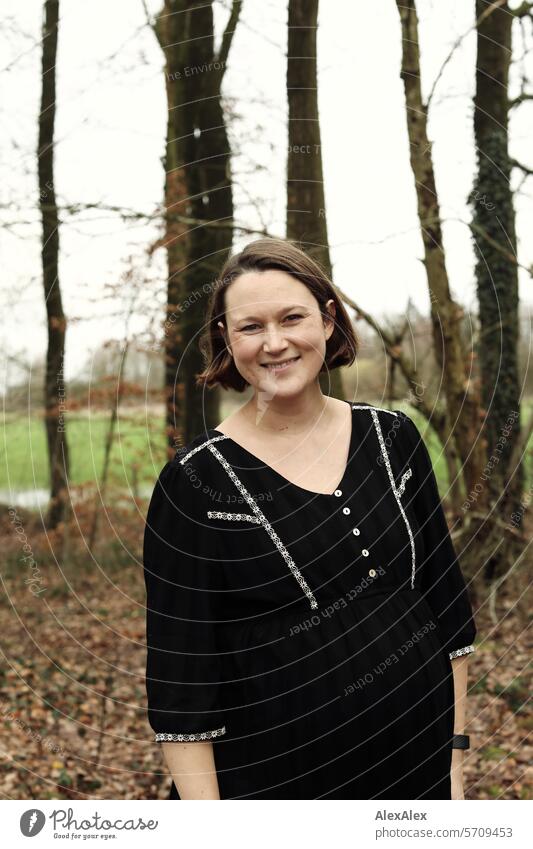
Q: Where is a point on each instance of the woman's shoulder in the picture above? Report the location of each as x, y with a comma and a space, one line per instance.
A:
193, 459
186, 474
364, 409
394, 426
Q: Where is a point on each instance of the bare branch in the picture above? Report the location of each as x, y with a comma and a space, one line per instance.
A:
229, 32
485, 14
149, 20
520, 99
527, 171
395, 353
500, 248
525, 10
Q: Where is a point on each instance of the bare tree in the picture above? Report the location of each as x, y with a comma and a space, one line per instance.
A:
198, 199
54, 390
453, 358
306, 204
493, 228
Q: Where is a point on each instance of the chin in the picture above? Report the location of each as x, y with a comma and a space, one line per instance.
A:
286, 387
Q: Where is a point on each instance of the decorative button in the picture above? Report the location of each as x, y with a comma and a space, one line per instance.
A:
364, 552
338, 492
372, 573
356, 531
346, 511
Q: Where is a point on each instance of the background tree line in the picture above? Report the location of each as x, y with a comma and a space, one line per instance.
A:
479, 371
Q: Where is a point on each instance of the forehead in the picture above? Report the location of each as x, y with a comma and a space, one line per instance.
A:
265, 293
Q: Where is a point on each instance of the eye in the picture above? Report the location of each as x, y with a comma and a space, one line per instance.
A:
251, 327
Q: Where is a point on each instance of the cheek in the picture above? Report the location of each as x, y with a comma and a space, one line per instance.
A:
247, 347
309, 339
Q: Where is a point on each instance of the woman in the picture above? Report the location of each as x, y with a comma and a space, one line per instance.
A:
308, 625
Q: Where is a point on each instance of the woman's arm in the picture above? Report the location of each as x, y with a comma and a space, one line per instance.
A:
183, 662
460, 675
193, 770
440, 578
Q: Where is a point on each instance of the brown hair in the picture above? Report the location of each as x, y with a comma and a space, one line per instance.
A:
263, 255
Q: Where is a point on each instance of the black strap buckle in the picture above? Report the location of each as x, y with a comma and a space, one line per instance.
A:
460, 741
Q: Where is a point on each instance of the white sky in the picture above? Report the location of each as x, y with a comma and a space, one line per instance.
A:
111, 124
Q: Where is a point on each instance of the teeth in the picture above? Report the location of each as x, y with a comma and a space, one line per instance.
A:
280, 366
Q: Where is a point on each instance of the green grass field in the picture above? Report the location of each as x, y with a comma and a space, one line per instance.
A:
137, 456
138, 451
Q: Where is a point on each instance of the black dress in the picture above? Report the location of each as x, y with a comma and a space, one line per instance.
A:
308, 636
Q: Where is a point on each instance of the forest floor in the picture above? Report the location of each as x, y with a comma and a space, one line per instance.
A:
72, 694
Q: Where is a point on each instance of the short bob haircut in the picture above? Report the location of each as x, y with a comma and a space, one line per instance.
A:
263, 255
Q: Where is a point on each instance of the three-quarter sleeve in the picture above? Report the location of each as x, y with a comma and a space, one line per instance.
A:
183, 664
440, 578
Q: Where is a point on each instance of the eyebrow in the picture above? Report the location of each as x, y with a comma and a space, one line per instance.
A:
282, 310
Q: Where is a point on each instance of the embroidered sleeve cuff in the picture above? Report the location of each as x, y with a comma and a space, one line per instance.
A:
459, 652
190, 738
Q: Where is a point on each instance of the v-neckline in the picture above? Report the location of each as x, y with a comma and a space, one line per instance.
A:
291, 483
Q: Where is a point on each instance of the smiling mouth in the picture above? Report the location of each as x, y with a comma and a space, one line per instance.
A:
280, 366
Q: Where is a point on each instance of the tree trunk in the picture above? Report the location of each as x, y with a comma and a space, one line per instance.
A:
493, 225
306, 205
198, 192
54, 388
171, 34
453, 359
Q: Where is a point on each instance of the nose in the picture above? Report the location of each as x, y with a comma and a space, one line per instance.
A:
274, 339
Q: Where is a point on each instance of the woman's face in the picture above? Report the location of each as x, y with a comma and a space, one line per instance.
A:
273, 318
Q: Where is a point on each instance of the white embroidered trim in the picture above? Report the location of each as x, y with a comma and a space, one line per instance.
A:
239, 517
395, 491
199, 447
266, 524
365, 407
459, 652
190, 738
405, 477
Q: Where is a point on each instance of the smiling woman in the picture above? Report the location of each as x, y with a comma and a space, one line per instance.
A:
300, 646
272, 289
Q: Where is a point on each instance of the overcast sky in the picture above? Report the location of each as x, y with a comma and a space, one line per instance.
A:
111, 124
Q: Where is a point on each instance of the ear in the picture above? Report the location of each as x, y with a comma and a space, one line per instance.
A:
223, 331
329, 322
